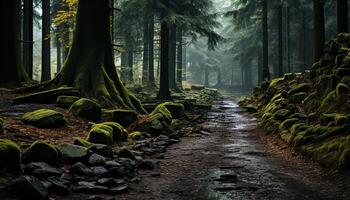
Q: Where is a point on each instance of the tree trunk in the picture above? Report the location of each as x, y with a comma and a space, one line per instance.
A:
184, 77
151, 51
319, 25
179, 58
342, 15
145, 66
172, 56
206, 76
164, 92
289, 67
131, 65
45, 54
89, 66
124, 66
265, 64
280, 41
28, 36
12, 72
59, 54
302, 44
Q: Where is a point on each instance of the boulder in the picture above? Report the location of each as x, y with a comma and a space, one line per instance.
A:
59, 186
41, 169
281, 114
176, 109
302, 87
10, 157
298, 97
125, 153
87, 109
102, 149
81, 142
73, 153
41, 152
81, 169
100, 134
122, 117
27, 187
66, 101
44, 118
96, 159
119, 133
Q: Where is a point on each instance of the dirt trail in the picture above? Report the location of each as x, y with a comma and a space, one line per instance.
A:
233, 163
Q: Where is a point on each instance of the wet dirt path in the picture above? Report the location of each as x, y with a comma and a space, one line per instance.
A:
230, 163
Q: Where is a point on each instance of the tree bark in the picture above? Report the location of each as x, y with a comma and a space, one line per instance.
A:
131, 64
265, 64
302, 38
342, 15
172, 56
59, 54
45, 55
145, 66
184, 77
280, 41
319, 25
28, 36
151, 51
11, 71
164, 91
179, 58
206, 76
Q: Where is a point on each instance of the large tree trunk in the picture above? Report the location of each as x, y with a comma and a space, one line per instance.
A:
319, 24
164, 91
184, 77
179, 58
45, 55
172, 56
342, 9
265, 67
302, 41
206, 76
11, 70
89, 66
280, 41
59, 54
131, 64
151, 51
145, 66
28, 36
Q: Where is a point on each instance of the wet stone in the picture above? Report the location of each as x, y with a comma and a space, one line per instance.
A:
95, 197
99, 170
120, 189
110, 164
59, 186
96, 159
117, 172
102, 149
125, 153
90, 188
41, 169
81, 169
110, 182
27, 186
73, 153
145, 164
228, 178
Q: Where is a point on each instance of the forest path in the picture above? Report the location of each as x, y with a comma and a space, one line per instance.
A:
233, 163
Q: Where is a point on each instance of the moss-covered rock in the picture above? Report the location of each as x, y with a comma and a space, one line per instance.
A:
176, 109
101, 134
328, 102
298, 97
10, 157
87, 109
342, 72
326, 84
81, 142
136, 135
122, 117
44, 118
162, 114
40, 151
119, 133
287, 124
66, 101
342, 90
281, 114
302, 87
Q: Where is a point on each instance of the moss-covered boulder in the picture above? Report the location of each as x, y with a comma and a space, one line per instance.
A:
10, 157
176, 109
162, 114
119, 133
87, 109
100, 134
298, 97
341, 90
302, 87
66, 101
281, 114
40, 151
44, 118
81, 142
136, 135
122, 117
1, 126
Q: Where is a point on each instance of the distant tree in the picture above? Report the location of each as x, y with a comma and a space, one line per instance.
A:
28, 13
319, 24
46, 41
342, 9
265, 47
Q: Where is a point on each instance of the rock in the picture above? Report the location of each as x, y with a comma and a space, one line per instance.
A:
110, 164
125, 153
73, 153
228, 178
81, 169
298, 97
94, 197
81, 142
119, 134
122, 117
110, 182
302, 87
66, 101
10, 157
177, 110
281, 114
102, 149
96, 159
44, 118
100, 134
250, 108
145, 164
59, 186
87, 109
27, 187
117, 172
90, 188
41, 169
136, 135
40, 151
98, 171
1, 126
120, 189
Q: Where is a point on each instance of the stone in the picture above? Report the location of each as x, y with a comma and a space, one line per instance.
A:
281, 114
120, 189
90, 188
26, 187
87, 109
40, 151
41, 169
59, 186
44, 118
122, 117
81, 142
96, 159
125, 153
110, 164
81, 169
66, 101
100, 134
73, 153
117, 172
99, 171
95, 197
110, 182
103, 150
145, 164
10, 157
177, 110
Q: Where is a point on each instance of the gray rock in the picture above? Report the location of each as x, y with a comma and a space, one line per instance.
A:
120, 189
28, 187
110, 182
117, 172
81, 169
73, 153
145, 164
102, 149
95, 197
99, 170
41, 169
59, 186
125, 153
96, 159
110, 164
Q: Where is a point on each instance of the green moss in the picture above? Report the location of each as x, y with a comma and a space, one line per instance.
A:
300, 116
44, 118
326, 84
341, 90
176, 109
66, 101
81, 142
285, 125
343, 72
276, 81
10, 157
87, 109
162, 114
101, 134
40, 151
302, 87
346, 80
328, 102
298, 97
136, 135
119, 133
281, 114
